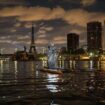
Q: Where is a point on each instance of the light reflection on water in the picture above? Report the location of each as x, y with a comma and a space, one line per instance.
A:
23, 82
87, 65
102, 65
52, 79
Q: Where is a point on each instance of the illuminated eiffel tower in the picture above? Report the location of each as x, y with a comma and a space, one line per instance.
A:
32, 46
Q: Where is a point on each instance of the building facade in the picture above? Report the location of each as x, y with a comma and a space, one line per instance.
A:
72, 42
103, 37
94, 36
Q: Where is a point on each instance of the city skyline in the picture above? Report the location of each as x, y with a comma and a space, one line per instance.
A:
53, 20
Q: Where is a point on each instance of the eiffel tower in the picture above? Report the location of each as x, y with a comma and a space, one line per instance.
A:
32, 46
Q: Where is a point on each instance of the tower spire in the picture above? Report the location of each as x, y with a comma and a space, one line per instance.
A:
32, 33
32, 46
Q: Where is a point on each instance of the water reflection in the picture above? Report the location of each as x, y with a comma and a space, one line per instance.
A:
23, 82
102, 65
1, 68
53, 79
15, 64
72, 64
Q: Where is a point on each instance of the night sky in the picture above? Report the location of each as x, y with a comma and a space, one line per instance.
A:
53, 20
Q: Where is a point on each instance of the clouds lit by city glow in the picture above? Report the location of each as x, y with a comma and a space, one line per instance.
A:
52, 22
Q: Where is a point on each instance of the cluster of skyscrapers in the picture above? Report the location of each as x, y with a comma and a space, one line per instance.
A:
95, 38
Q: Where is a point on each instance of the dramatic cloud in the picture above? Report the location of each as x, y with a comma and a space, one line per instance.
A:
73, 16
23, 37
32, 13
41, 41
76, 31
13, 11
16, 39
87, 2
59, 40
42, 36
46, 28
76, 16
29, 25
5, 37
43, 13
41, 32
5, 41
81, 17
51, 24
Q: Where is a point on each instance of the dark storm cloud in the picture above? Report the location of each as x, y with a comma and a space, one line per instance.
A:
38, 13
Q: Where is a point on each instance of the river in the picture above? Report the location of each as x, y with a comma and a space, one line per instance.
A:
21, 83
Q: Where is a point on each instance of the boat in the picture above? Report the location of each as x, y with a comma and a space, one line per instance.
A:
51, 71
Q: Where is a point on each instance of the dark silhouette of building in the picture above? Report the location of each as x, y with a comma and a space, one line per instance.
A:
94, 36
20, 56
63, 50
24, 55
72, 42
103, 37
32, 46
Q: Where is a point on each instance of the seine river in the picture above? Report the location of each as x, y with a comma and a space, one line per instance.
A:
21, 83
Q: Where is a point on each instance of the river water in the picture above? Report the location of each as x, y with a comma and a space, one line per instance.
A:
21, 83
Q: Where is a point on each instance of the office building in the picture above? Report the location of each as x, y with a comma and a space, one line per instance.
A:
94, 36
72, 42
103, 37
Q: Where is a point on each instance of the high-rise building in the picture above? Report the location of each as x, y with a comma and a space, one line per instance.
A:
94, 36
32, 46
72, 42
103, 37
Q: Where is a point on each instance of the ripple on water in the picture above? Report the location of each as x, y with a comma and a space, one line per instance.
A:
19, 85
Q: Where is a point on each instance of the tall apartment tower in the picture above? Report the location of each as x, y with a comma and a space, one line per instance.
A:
72, 42
103, 37
32, 46
94, 36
